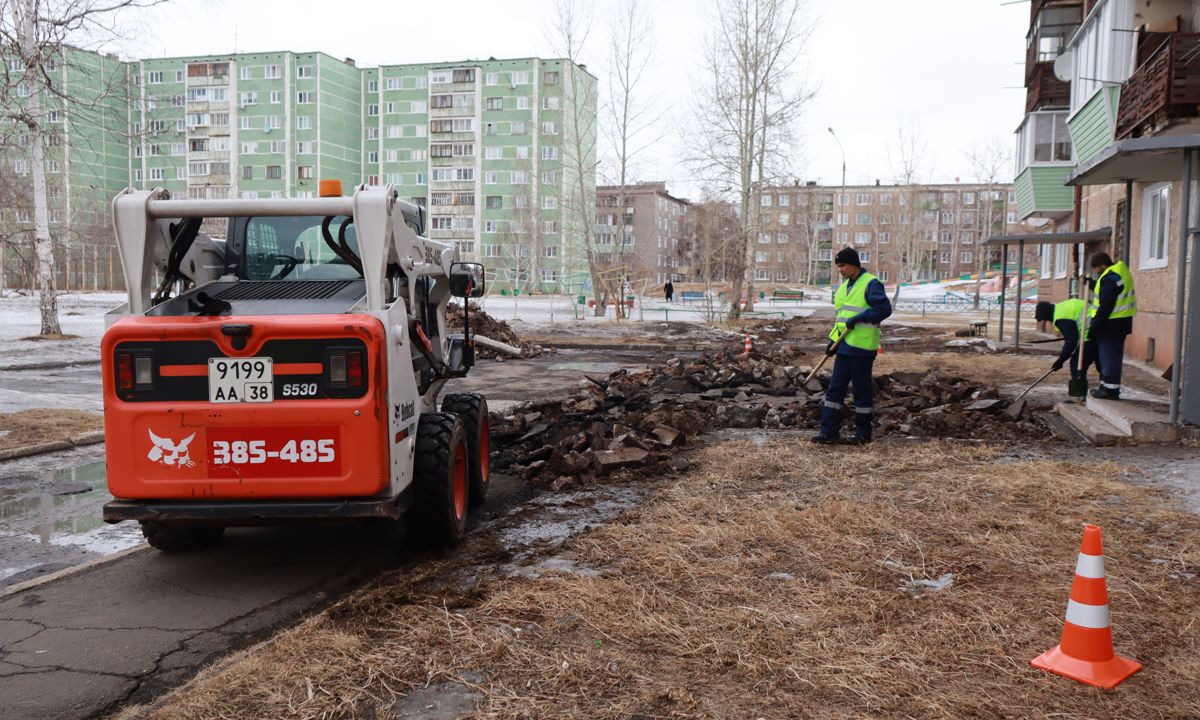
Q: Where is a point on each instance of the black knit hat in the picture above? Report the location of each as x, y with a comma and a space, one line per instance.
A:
847, 256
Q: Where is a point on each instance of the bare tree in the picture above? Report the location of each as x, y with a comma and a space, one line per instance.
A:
36, 37
914, 223
569, 29
990, 162
748, 103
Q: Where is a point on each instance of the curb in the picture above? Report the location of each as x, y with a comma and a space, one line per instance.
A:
49, 365
68, 572
93, 437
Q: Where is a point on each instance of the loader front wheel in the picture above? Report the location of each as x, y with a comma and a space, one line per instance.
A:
441, 473
171, 538
472, 409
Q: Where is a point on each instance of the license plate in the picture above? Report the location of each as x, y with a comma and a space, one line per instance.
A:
238, 380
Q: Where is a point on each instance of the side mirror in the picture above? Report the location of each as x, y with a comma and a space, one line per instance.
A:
466, 280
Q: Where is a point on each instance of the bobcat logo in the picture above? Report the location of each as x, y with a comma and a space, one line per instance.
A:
169, 452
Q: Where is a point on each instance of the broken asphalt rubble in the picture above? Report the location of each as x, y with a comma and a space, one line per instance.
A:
636, 419
487, 326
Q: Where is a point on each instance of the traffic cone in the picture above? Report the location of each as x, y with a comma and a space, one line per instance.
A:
747, 344
1086, 651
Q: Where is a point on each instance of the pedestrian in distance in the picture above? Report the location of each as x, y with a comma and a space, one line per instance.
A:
1114, 305
1067, 317
860, 305
669, 291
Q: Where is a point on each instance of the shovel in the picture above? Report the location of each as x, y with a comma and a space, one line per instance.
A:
1035, 384
824, 360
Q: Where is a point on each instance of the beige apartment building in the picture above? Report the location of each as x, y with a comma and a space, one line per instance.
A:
651, 234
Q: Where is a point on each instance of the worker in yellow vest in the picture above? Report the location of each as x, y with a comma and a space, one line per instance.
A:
1114, 305
859, 304
1067, 317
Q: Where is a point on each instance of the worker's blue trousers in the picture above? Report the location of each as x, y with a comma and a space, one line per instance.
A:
849, 370
1112, 356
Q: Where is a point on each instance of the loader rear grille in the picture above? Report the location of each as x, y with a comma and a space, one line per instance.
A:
284, 290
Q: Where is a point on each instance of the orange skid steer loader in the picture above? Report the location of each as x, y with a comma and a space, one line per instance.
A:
291, 373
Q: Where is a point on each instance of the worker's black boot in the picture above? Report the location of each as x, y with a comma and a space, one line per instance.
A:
1104, 393
823, 439
859, 440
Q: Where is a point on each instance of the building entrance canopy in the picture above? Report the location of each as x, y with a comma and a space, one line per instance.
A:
1157, 159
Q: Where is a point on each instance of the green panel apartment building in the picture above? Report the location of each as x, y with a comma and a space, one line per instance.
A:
482, 144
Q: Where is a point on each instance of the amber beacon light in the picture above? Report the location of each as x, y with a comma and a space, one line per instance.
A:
329, 188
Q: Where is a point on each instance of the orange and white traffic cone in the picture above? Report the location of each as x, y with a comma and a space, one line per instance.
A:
1086, 651
748, 344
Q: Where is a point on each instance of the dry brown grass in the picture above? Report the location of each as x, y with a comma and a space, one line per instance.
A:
28, 427
692, 618
992, 368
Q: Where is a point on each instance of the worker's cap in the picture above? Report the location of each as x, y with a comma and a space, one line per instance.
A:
847, 256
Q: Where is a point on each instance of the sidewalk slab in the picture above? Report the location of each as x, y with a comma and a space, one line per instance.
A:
1096, 429
1139, 419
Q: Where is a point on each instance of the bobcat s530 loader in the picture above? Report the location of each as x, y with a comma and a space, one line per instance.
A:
290, 374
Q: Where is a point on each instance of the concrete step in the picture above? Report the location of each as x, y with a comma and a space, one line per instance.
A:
1096, 429
1140, 419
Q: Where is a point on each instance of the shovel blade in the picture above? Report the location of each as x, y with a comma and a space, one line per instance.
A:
1077, 388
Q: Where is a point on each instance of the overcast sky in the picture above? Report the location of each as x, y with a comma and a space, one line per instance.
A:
949, 68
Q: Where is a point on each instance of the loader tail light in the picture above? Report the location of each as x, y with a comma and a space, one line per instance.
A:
124, 371
345, 368
135, 371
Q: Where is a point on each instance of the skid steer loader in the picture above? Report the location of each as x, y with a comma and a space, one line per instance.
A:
291, 373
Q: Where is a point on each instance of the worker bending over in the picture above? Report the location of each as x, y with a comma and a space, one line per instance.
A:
860, 304
1067, 317
1114, 304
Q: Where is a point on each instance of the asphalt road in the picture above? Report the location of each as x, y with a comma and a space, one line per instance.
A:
105, 630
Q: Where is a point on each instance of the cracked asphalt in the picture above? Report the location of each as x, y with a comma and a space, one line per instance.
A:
127, 629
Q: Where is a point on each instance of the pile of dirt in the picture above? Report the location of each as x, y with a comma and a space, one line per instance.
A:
487, 326
635, 419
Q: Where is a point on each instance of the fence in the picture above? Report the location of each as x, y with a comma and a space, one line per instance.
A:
77, 268
956, 305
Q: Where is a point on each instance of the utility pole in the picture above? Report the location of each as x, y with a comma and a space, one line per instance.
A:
841, 194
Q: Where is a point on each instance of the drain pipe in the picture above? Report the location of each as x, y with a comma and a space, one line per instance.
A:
1185, 216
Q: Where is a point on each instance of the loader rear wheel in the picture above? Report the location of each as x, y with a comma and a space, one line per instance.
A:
441, 472
472, 409
169, 537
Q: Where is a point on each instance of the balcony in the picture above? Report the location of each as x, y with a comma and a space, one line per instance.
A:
1043, 90
1164, 88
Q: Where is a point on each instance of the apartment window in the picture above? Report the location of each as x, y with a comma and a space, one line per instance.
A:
274, 122
155, 77
862, 199
1156, 226
550, 77
1060, 260
373, 110
304, 71
1044, 252
274, 172
54, 167
549, 152
247, 172
270, 71
885, 238
197, 168
549, 102
968, 198
862, 218
843, 199
549, 128
493, 202
549, 202
181, 149
304, 97
519, 177
519, 78
945, 258
181, 172
865, 256
373, 157
303, 122
372, 86
198, 145
550, 227
765, 201
443, 174
885, 199
843, 218
764, 238
947, 218
491, 79
1043, 138
464, 174
493, 153
421, 155
550, 177
522, 152
246, 122
946, 237
522, 102
247, 98
389, 108
494, 103
862, 238
784, 218
490, 177
276, 97
519, 127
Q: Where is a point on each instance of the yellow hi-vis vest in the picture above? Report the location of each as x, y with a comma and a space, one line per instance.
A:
1126, 305
1070, 309
848, 302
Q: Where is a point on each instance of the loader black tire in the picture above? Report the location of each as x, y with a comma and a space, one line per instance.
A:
472, 409
441, 488
172, 538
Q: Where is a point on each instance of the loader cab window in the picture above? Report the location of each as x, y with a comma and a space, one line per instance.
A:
298, 248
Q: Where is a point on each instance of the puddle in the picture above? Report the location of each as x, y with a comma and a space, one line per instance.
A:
441, 701
568, 514
553, 566
588, 367
51, 520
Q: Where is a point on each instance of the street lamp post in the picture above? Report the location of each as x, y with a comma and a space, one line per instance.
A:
832, 264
